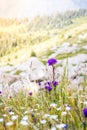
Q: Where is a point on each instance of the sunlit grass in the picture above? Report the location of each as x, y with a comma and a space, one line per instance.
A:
59, 108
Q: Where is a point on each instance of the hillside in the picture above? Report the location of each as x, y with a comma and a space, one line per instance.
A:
43, 72
21, 37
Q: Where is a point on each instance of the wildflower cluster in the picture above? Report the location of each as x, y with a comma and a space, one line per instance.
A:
49, 85
58, 107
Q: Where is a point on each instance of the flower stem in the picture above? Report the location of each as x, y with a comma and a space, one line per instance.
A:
53, 72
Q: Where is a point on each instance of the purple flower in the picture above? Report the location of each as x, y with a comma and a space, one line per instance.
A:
10, 110
49, 88
66, 127
30, 93
35, 120
85, 112
49, 83
0, 92
39, 83
52, 61
46, 87
55, 83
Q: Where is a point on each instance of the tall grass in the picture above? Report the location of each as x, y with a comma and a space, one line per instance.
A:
60, 107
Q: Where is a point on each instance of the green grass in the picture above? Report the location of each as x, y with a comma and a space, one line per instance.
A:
40, 111
40, 41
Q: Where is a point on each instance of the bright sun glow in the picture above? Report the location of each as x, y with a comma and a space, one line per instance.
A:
30, 8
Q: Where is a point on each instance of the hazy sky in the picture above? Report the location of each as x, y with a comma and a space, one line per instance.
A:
29, 8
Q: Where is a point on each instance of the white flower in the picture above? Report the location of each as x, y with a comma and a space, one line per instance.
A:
22, 108
35, 128
24, 122
68, 108
60, 126
43, 121
35, 109
85, 102
1, 120
38, 105
64, 113
15, 117
55, 117
25, 118
4, 115
60, 108
53, 105
53, 128
26, 112
46, 115
11, 113
10, 123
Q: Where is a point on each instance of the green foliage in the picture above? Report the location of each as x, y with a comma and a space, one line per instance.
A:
23, 35
33, 54
61, 105
18, 72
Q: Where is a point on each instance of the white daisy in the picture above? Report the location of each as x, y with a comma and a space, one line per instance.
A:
64, 113
15, 117
54, 117
60, 126
25, 118
68, 108
1, 119
46, 115
10, 123
4, 115
24, 123
53, 105
11, 113
59, 109
26, 112
43, 121
53, 128
85, 103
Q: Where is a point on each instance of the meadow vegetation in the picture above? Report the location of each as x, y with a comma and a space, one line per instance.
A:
20, 37
59, 105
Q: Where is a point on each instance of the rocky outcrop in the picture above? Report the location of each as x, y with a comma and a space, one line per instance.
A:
8, 78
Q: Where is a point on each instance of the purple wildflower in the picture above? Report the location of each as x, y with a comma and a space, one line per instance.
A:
30, 93
35, 120
52, 61
66, 127
39, 83
49, 83
10, 110
0, 92
49, 88
85, 112
55, 83
46, 87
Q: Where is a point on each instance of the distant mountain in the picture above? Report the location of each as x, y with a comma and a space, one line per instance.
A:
56, 20
31, 8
